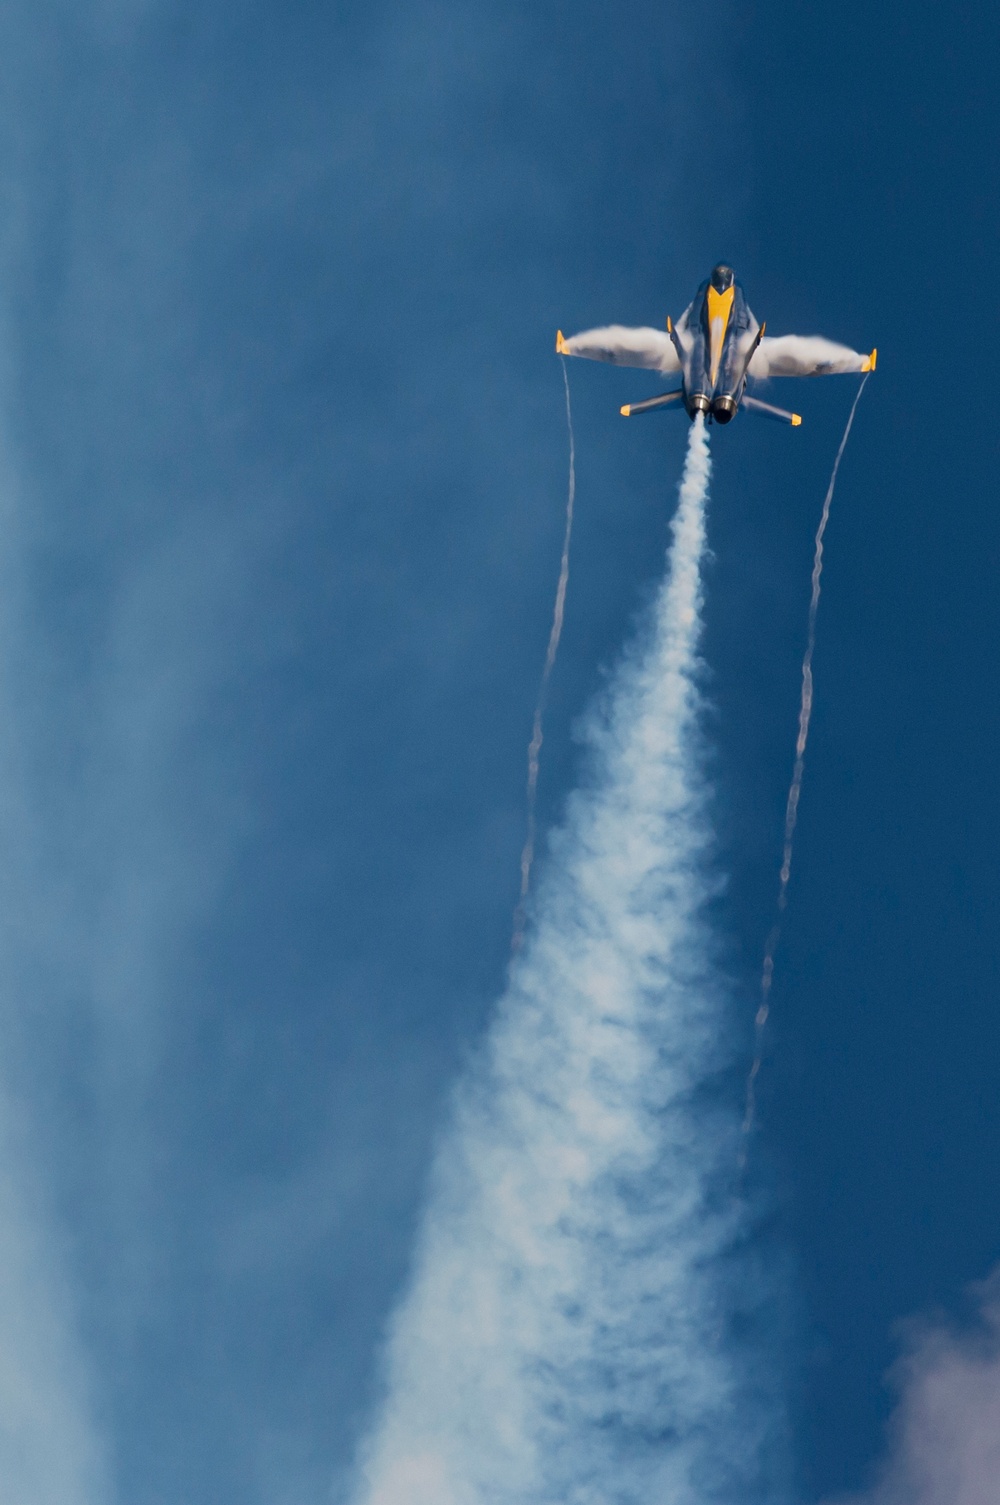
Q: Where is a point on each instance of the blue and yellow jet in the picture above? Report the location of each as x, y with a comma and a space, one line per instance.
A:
715, 345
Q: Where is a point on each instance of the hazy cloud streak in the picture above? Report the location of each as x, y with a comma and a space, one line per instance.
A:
50, 1449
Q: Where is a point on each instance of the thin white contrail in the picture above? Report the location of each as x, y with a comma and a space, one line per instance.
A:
535, 745
795, 787
568, 1335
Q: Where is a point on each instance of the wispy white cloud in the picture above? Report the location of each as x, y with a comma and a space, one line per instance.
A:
944, 1438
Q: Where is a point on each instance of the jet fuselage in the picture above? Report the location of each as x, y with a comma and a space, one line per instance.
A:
715, 338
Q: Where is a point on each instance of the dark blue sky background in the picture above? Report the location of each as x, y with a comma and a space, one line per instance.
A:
283, 457
873, 144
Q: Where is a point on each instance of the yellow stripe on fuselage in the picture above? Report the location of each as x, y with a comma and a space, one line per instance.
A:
720, 306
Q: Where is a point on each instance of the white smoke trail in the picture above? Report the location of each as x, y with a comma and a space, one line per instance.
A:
795, 787
568, 1333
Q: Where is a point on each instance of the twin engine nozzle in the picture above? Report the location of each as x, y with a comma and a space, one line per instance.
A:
722, 409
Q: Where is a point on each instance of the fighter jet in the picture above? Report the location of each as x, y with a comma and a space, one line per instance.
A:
716, 345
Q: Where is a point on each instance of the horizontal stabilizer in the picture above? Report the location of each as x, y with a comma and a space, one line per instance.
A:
664, 400
765, 410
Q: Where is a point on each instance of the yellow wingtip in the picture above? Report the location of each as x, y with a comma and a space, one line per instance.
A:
670, 327
796, 420
871, 360
626, 410
561, 346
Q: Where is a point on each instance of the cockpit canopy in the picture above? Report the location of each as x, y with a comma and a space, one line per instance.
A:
722, 277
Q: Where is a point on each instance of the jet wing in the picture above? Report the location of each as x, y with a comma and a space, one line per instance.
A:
651, 348
806, 355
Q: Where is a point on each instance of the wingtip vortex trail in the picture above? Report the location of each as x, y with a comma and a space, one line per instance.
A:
537, 728
798, 774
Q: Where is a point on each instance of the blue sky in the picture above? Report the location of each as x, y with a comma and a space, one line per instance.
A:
283, 466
